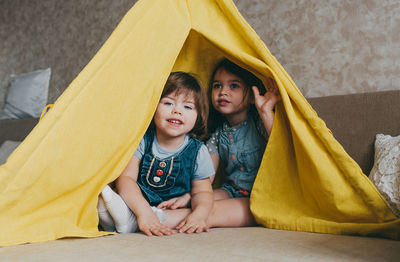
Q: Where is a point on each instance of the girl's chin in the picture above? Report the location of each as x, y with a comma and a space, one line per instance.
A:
174, 136
222, 108
225, 111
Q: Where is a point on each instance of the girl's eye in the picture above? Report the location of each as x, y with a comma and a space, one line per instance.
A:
168, 103
216, 86
234, 86
189, 107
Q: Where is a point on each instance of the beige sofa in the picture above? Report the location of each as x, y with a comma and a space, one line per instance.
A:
354, 120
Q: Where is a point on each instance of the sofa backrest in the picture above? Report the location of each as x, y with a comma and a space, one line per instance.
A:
355, 120
16, 129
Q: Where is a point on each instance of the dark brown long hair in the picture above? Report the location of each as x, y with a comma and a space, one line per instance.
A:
182, 82
249, 79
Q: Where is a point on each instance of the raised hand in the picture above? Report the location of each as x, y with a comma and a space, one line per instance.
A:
266, 103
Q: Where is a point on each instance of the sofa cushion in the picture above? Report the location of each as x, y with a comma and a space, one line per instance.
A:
27, 95
220, 244
385, 173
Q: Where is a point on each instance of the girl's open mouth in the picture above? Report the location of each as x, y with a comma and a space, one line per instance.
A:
175, 121
222, 102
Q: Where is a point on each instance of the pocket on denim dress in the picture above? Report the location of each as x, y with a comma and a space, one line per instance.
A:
250, 160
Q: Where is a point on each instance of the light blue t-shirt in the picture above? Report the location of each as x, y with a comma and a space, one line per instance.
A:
203, 166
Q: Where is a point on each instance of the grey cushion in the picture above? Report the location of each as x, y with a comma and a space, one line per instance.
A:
27, 95
6, 149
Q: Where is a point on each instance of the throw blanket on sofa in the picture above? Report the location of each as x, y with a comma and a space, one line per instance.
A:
307, 182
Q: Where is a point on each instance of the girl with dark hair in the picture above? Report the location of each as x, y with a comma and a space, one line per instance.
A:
240, 123
169, 163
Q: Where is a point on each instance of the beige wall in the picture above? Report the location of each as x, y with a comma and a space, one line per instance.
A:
331, 47
60, 34
328, 47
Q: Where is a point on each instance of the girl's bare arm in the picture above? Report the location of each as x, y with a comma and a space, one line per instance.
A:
202, 203
129, 190
215, 159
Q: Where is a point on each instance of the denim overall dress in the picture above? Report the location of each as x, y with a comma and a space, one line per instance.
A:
163, 179
241, 148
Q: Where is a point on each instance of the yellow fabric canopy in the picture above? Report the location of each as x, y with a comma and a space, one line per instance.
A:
307, 182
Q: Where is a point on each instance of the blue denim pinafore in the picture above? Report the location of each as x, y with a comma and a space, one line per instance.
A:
163, 179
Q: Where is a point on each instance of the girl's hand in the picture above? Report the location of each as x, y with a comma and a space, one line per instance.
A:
202, 202
266, 103
191, 224
150, 225
176, 202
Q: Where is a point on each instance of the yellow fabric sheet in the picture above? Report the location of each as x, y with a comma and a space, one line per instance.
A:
49, 185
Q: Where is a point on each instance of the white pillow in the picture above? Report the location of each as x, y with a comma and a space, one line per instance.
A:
6, 149
385, 173
27, 95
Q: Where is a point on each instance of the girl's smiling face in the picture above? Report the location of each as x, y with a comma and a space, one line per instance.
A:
230, 96
175, 116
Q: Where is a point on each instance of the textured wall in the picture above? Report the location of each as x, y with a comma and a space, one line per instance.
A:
328, 47
63, 35
333, 46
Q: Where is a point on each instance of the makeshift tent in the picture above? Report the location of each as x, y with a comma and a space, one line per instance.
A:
307, 182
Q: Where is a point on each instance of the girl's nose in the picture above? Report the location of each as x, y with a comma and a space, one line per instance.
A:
223, 91
176, 110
